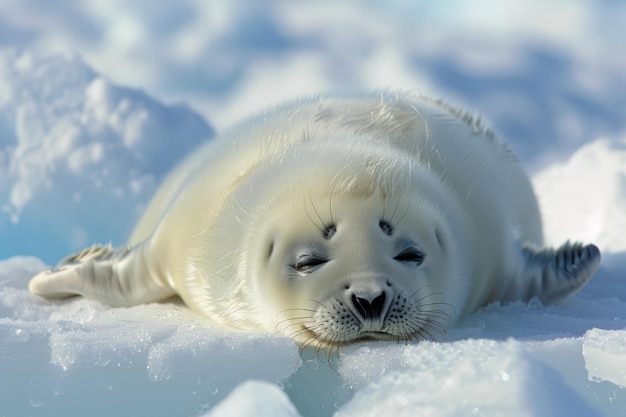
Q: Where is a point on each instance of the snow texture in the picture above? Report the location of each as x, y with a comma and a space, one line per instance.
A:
80, 155
255, 398
73, 146
605, 355
470, 377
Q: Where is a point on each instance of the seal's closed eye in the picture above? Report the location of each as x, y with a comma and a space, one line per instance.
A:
410, 254
307, 263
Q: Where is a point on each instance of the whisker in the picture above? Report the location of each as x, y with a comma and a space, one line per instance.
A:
438, 314
330, 204
296, 318
321, 229
438, 309
317, 302
324, 227
432, 294
439, 327
421, 316
435, 326
419, 290
301, 332
292, 310
285, 326
395, 211
403, 214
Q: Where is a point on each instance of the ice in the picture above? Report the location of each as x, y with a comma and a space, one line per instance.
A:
605, 355
255, 399
158, 358
465, 378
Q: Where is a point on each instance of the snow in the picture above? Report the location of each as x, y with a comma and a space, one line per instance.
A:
602, 161
161, 359
91, 120
72, 144
466, 378
255, 398
605, 355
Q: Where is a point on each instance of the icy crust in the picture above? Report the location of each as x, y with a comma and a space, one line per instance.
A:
79, 156
63, 358
465, 378
255, 398
605, 355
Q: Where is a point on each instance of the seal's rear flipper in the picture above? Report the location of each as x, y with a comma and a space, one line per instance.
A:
115, 277
554, 275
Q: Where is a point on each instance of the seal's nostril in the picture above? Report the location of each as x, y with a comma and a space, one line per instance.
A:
377, 305
361, 305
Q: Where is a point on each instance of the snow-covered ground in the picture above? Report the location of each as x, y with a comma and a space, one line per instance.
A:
80, 156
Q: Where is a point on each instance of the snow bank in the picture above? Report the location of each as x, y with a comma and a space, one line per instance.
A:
605, 355
546, 86
254, 398
79, 156
77, 356
597, 169
466, 378
69, 357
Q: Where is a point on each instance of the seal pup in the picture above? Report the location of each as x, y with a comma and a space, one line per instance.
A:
335, 220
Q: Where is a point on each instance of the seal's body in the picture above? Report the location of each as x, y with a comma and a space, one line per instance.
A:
336, 220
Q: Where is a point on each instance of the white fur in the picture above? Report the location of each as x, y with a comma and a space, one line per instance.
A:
271, 186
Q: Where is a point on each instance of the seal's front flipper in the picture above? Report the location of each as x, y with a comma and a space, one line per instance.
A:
115, 277
554, 275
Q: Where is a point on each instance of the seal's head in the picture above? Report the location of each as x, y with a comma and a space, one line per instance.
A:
359, 271
358, 249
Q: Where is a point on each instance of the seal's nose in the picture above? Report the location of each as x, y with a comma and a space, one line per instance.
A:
369, 309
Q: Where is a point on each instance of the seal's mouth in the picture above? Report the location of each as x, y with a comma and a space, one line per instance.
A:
375, 336
309, 337
361, 337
